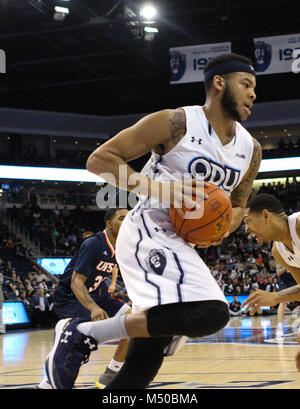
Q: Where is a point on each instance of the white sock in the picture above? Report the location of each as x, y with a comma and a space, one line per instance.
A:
115, 365
280, 325
105, 330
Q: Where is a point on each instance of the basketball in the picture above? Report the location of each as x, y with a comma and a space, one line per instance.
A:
213, 224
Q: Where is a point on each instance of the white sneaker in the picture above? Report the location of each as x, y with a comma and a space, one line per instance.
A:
175, 345
44, 384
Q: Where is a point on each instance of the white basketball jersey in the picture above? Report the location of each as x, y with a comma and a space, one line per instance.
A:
291, 258
158, 267
201, 155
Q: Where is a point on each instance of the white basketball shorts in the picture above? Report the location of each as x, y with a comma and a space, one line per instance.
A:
157, 266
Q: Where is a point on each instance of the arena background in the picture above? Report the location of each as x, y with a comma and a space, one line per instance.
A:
71, 80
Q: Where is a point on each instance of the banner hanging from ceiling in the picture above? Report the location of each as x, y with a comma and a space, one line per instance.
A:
277, 54
187, 63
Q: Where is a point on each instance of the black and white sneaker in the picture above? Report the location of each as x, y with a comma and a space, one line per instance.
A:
45, 384
68, 354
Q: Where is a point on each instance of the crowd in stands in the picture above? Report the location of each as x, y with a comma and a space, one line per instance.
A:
32, 156
65, 158
288, 193
58, 230
24, 280
284, 149
239, 265
49, 193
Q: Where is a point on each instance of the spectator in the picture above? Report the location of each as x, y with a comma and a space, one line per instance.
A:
39, 309
247, 287
264, 284
254, 283
52, 317
43, 284
26, 301
235, 307
33, 197
57, 212
40, 276
232, 288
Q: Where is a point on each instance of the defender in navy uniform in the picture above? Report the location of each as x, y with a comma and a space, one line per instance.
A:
83, 290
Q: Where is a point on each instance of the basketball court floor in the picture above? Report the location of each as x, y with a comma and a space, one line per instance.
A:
245, 354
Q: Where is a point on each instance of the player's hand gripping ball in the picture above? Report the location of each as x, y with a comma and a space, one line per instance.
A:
213, 224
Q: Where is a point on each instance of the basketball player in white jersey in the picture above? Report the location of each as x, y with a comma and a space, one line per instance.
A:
172, 291
267, 221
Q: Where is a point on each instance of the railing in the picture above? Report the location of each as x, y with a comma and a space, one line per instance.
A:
16, 228
54, 198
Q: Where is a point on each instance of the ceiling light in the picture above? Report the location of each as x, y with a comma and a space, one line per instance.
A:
59, 9
151, 30
60, 13
148, 11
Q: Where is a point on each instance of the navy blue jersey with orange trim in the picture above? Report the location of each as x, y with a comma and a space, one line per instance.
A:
95, 259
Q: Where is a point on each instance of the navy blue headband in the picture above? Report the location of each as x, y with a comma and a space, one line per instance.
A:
227, 67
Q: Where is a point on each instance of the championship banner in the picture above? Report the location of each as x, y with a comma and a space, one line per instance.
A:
277, 54
187, 63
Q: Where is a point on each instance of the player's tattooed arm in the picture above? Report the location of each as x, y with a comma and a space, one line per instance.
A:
177, 125
177, 129
239, 196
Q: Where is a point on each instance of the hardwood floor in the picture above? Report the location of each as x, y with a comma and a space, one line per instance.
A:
245, 354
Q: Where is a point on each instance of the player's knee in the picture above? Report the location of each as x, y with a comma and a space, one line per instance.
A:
206, 320
193, 319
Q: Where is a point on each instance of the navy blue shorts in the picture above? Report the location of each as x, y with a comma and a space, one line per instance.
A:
66, 306
286, 280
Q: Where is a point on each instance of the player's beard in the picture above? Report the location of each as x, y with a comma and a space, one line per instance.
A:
229, 104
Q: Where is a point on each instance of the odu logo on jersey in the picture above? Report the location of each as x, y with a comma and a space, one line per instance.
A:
263, 55
206, 169
177, 64
156, 261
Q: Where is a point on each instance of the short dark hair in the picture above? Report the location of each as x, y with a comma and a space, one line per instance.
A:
223, 58
110, 213
265, 201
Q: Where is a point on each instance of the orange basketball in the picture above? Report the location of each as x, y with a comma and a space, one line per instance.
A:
214, 222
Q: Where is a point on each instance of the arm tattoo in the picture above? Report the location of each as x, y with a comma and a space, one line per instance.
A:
177, 126
240, 195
